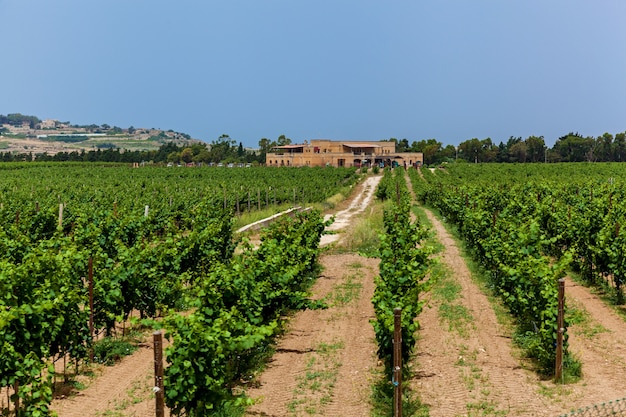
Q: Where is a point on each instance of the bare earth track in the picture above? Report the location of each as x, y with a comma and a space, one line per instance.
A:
325, 362
482, 373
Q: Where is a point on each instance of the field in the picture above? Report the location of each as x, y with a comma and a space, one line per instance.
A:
161, 241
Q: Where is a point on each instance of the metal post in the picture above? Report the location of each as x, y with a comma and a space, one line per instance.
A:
558, 374
158, 373
397, 362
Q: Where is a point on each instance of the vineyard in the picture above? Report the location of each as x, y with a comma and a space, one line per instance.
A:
526, 227
87, 249
83, 247
526, 224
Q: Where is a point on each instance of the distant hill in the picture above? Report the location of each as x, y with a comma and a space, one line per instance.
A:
20, 134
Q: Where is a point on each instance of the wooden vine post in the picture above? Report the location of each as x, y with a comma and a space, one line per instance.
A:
397, 362
558, 374
158, 373
91, 312
60, 215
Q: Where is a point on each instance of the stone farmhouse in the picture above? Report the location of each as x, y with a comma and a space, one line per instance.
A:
323, 152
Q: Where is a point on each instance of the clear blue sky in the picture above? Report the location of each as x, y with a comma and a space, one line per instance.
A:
354, 70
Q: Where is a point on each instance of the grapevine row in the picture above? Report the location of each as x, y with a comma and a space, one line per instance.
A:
237, 313
404, 265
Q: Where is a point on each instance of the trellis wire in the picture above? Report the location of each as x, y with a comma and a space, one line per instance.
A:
611, 408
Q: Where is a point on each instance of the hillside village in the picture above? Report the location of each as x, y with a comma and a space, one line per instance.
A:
27, 134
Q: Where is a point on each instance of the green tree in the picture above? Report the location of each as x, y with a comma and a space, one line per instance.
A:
186, 155
470, 150
283, 140
605, 147
503, 153
619, 147
174, 157
535, 148
431, 148
403, 146
241, 153
222, 148
575, 148
448, 153
265, 145
518, 152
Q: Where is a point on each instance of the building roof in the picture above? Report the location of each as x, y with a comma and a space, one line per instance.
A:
361, 145
288, 146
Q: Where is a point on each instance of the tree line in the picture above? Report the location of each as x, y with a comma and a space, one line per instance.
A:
17, 119
572, 147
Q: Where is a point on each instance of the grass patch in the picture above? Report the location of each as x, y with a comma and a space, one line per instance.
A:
576, 315
431, 241
341, 195
448, 293
110, 350
332, 201
344, 293
479, 384
447, 289
483, 408
249, 217
382, 400
364, 238
314, 389
458, 318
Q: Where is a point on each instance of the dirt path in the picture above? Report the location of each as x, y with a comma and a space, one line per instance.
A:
324, 363
599, 341
121, 390
479, 372
472, 372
